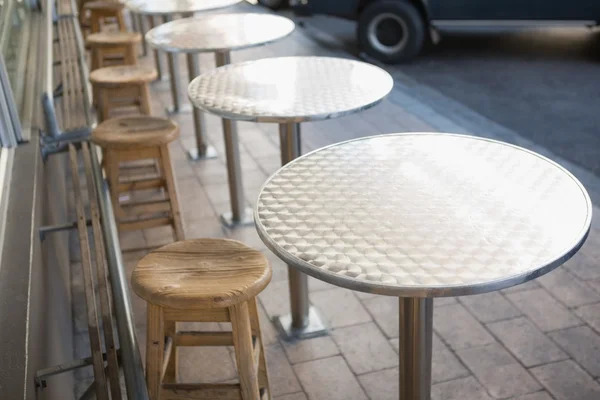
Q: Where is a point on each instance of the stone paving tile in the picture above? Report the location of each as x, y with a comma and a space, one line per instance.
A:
444, 301
489, 307
445, 365
310, 349
459, 389
522, 287
568, 289
535, 396
459, 329
583, 344
329, 379
293, 396
584, 266
594, 284
565, 380
365, 348
385, 312
210, 227
282, 378
590, 314
526, 342
498, 371
216, 365
339, 307
276, 299
547, 313
381, 385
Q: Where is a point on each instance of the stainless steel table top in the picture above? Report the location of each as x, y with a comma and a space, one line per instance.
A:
169, 7
423, 215
290, 89
221, 32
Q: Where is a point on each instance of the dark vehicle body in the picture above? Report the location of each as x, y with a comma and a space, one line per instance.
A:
395, 30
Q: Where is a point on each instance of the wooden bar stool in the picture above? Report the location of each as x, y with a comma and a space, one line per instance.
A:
104, 11
122, 86
113, 48
146, 199
203, 280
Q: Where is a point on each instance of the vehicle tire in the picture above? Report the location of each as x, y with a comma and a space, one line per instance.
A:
391, 31
274, 4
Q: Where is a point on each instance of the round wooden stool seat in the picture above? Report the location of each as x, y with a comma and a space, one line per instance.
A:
201, 274
104, 6
120, 75
111, 39
135, 132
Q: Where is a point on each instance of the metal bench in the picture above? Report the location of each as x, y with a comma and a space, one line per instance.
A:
68, 125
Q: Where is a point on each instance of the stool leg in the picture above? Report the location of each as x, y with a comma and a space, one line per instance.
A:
121, 21
172, 191
104, 104
155, 347
94, 22
145, 105
172, 371
130, 56
112, 175
263, 376
244, 352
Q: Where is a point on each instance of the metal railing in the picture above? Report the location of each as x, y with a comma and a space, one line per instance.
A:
130, 357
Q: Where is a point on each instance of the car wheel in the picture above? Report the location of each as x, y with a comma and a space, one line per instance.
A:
391, 31
274, 4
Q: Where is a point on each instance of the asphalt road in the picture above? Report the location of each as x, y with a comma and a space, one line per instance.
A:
543, 84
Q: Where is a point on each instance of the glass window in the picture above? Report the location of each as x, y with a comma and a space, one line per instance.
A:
15, 38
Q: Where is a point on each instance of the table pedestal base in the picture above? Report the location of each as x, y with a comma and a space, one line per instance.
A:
314, 326
245, 219
416, 328
183, 108
209, 153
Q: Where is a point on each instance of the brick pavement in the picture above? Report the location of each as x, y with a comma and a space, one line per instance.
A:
537, 341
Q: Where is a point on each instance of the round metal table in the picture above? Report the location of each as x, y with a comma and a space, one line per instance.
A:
420, 216
287, 91
167, 9
219, 34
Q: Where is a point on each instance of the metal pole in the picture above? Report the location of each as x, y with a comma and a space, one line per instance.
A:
141, 23
155, 21
239, 215
202, 151
173, 62
131, 360
304, 321
416, 327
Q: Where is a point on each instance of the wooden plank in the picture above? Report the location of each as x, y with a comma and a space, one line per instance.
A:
209, 391
195, 338
146, 207
90, 300
145, 223
143, 184
103, 284
208, 315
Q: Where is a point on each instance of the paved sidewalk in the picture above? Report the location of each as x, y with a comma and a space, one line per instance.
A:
536, 341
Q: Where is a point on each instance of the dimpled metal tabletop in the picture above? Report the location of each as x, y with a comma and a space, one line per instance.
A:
220, 32
423, 215
168, 7
290, 89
